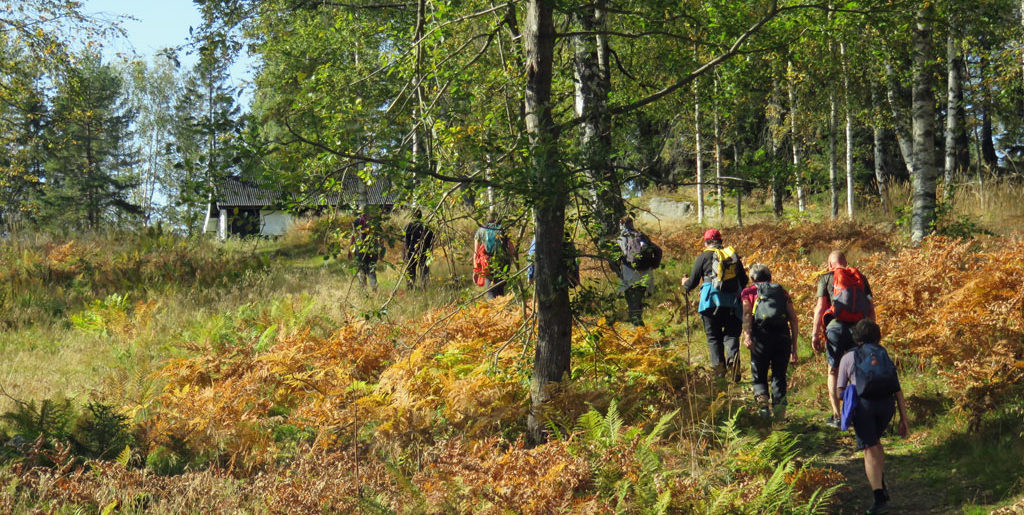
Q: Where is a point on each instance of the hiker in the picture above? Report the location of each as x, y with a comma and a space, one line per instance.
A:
640, 256
770, 330
570, 261
366, 246
492, 257
418, 241
844, 298
724, 277
868, 381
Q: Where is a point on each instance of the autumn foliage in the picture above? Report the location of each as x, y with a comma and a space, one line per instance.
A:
426, 415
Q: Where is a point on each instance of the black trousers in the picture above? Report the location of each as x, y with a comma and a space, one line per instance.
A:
495, 288
635, 303
770, 357
416, 265
723, 330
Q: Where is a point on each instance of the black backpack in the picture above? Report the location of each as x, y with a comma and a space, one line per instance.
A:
770, 311
649, 257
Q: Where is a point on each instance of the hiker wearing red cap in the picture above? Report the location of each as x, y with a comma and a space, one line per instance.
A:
844, 298
723, 277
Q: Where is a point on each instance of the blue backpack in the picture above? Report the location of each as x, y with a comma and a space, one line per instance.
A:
491, 237
874, 371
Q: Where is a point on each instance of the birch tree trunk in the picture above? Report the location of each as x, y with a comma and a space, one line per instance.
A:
718, 158
833, 183
925, 172
554, 320
878, 144
775, 128
801, 203
900, 117
739, 189
848, 132
956, 157
592, 85
699, 152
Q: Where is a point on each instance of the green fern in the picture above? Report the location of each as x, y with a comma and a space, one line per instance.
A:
50, 419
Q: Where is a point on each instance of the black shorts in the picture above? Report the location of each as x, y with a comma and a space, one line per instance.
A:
871, 419
838, 341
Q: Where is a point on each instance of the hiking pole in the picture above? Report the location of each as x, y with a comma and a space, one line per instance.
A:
689, 343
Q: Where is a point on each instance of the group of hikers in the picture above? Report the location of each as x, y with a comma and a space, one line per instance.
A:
735, 305
863, 388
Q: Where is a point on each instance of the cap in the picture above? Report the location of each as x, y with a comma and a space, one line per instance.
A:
712, 234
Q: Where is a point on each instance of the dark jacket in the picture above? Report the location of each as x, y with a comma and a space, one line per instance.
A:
703, 267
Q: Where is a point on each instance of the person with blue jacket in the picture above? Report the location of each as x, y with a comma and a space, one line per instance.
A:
719, 306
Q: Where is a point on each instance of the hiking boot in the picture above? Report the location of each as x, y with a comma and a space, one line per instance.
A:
779, 411
878, 508
832, 421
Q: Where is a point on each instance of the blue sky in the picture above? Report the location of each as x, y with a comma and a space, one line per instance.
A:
158, 24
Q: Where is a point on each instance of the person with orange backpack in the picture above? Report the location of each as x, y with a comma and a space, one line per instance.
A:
844, 298
493, 256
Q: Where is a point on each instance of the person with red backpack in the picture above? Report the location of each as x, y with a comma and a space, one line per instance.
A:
844, 298
870, 386
493, 256
724, 278
770, 329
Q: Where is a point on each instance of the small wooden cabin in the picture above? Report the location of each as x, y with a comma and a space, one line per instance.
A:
242, 207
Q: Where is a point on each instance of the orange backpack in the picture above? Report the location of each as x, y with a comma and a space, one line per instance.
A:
849, 295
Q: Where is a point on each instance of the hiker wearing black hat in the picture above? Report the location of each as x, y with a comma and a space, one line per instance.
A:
721, 270
870, 387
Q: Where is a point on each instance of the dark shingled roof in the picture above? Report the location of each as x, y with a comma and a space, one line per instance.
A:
236, 192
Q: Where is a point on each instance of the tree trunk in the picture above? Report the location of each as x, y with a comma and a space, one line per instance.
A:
988, 148
775, 124
419, 153
848, 132
878, 143
801, 203
833, 182
592, 85
554, 320
900, 117
925, 172
739, 188
957, 157
699, 152
718, 159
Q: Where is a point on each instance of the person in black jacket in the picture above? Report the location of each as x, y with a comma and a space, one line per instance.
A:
418, 241
720, 306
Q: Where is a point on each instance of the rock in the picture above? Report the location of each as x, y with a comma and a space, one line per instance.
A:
663, 208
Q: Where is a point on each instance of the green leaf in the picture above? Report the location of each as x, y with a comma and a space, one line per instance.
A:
124, 458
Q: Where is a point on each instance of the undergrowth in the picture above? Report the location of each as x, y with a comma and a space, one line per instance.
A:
285, 404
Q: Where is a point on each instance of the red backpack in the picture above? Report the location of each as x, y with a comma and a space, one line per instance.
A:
849, 295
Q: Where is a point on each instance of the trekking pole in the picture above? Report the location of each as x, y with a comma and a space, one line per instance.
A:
686, 302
